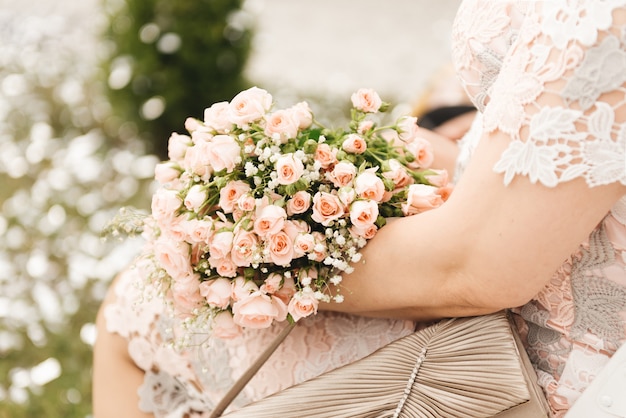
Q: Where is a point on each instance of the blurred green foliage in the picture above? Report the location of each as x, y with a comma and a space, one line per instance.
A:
171, 60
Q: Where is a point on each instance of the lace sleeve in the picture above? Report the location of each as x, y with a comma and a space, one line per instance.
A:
560, 94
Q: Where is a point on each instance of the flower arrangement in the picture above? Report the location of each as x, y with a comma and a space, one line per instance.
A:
260, 210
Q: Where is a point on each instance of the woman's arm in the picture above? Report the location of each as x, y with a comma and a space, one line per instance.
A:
115, 377
489, 247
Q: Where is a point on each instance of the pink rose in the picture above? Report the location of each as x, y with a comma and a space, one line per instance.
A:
346, 195
439, 178
245, 246
192, 124
242, 288
302, 304
217, 292
369, 186
195, 198
398, 174
230, 194
221, 244
270, 220
196, 160
272, 283
177, 147
354, 144
280, 248
224, 327
223, 153
165, 204
299, 203
304, 244
326, 208
321, 248
422, 151
186, 296
296, 227
302, 113
289, 169
445, 191
325, 155
216, 118
249, 106
246, 203
259, 311
366, 100
281, 125
407, 128
198, 230
343, 173
166, 172
365, 126
173, 257
223, 266
363, 213
368, 232
420, 198
287, 289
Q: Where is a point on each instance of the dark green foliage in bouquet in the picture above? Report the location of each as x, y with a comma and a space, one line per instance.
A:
168, 59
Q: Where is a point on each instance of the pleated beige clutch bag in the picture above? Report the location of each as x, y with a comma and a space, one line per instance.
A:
465, 367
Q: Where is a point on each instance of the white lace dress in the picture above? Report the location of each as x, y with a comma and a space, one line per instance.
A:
552, 76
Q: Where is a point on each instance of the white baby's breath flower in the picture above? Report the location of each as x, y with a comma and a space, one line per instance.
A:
257, 180
319, 248
306, 281
250, 169
338, 298
336, 280
348, 269
322, 139
340, 240
356, 258
287, 274
249, 149
329, 261
299, 154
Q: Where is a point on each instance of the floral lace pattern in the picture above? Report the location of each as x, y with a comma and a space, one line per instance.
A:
551, 75
191, 381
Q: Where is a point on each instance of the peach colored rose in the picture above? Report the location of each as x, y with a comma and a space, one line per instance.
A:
302, 113
246, 203
325, 155
192, 124
366, 100
198, 230
354, 144
326, 208
407, 128
272, 283
270, 220
221, 244
223, 326
420, 198
177, 147
363, 213
230, 193
365, 126
287, 289
216, 118
343, 173
280, 248
249, 106
281, 125
445, 191
242, 288
166, 172
439, 178
196, 160
223, 153
346, 195
422, 151
165, 204
299, 203
398, 174
258, 311
186, 297
195, 198
223, 266
173, 257
304, 244
217, 292
302, 304
367, 232
201, 136
295, 228
369, 186
245, 245
289, 169
321, 248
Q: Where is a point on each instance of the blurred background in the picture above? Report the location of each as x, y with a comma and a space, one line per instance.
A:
90, 91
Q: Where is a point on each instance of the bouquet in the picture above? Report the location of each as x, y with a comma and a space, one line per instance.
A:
260, 211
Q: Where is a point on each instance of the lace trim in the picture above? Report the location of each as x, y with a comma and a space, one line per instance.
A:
599, 301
